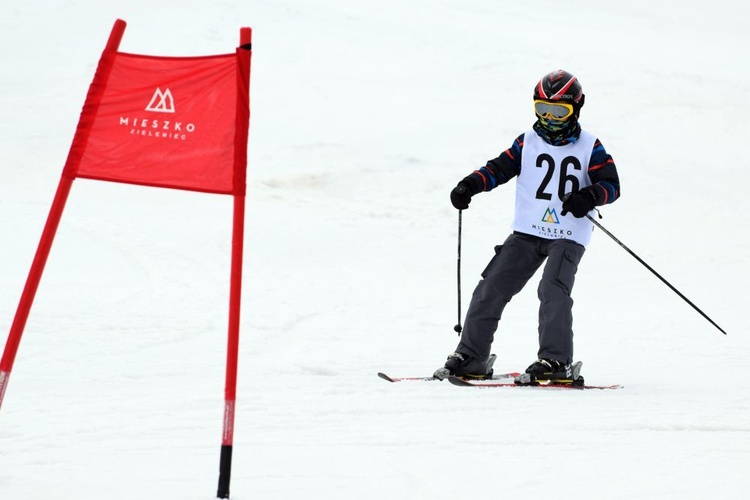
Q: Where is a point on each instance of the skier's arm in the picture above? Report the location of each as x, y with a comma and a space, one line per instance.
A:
603, 174
497, 171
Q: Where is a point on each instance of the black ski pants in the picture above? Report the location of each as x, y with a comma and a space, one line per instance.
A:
514, 263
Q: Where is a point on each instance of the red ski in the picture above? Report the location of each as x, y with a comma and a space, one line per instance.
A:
538, 385
498, 376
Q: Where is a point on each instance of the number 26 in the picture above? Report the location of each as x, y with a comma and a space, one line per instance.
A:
567, 183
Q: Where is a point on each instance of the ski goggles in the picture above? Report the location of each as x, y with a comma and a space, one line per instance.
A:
553, 110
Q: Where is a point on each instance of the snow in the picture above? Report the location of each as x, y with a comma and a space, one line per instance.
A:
364, 116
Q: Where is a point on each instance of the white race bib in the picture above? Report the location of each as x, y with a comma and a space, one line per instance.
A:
547, 174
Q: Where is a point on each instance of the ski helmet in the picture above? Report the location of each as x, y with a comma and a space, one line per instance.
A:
560, 86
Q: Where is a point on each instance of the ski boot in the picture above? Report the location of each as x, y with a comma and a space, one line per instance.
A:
550, 371
463, 365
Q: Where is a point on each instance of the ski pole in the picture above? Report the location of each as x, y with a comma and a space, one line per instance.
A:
653, 271
458, 327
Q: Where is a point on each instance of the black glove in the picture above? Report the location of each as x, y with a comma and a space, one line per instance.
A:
461, 196
579, 203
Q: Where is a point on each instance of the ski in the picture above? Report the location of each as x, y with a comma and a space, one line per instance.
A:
403, 379
570, 378
539, 385
497, 376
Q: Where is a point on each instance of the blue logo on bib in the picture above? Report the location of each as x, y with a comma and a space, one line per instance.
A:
550, 216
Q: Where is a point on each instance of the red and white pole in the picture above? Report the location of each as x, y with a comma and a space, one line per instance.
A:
235, 287
53, 219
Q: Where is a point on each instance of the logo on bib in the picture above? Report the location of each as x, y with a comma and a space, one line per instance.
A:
550, 216
551, 227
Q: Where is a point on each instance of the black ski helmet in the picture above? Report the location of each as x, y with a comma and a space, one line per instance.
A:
560, 86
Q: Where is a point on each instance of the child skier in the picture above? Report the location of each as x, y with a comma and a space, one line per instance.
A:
562, 172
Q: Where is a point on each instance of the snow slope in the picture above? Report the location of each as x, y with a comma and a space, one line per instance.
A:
364, 116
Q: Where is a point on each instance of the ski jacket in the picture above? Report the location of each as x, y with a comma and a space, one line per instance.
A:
601, 170
546, 177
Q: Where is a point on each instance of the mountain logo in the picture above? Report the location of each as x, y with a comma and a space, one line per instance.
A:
550, 216
161, 102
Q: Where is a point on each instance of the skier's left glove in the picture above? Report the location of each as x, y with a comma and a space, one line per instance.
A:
579, 203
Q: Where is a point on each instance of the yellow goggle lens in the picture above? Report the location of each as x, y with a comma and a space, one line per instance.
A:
553, 110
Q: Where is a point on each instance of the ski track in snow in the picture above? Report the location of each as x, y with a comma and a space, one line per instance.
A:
363, 117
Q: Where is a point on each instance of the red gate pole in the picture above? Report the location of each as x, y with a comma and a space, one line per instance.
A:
53, 221
230, 389
235, 287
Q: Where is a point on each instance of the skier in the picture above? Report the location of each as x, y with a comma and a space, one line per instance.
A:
562, 172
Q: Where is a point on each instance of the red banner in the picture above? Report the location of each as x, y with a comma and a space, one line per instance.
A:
160, 121
175, 122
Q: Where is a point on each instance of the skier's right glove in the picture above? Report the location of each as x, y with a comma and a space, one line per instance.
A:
461, 196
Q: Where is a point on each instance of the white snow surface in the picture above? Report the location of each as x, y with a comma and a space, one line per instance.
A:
364, 115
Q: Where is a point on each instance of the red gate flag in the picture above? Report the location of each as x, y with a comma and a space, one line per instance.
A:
176, 122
